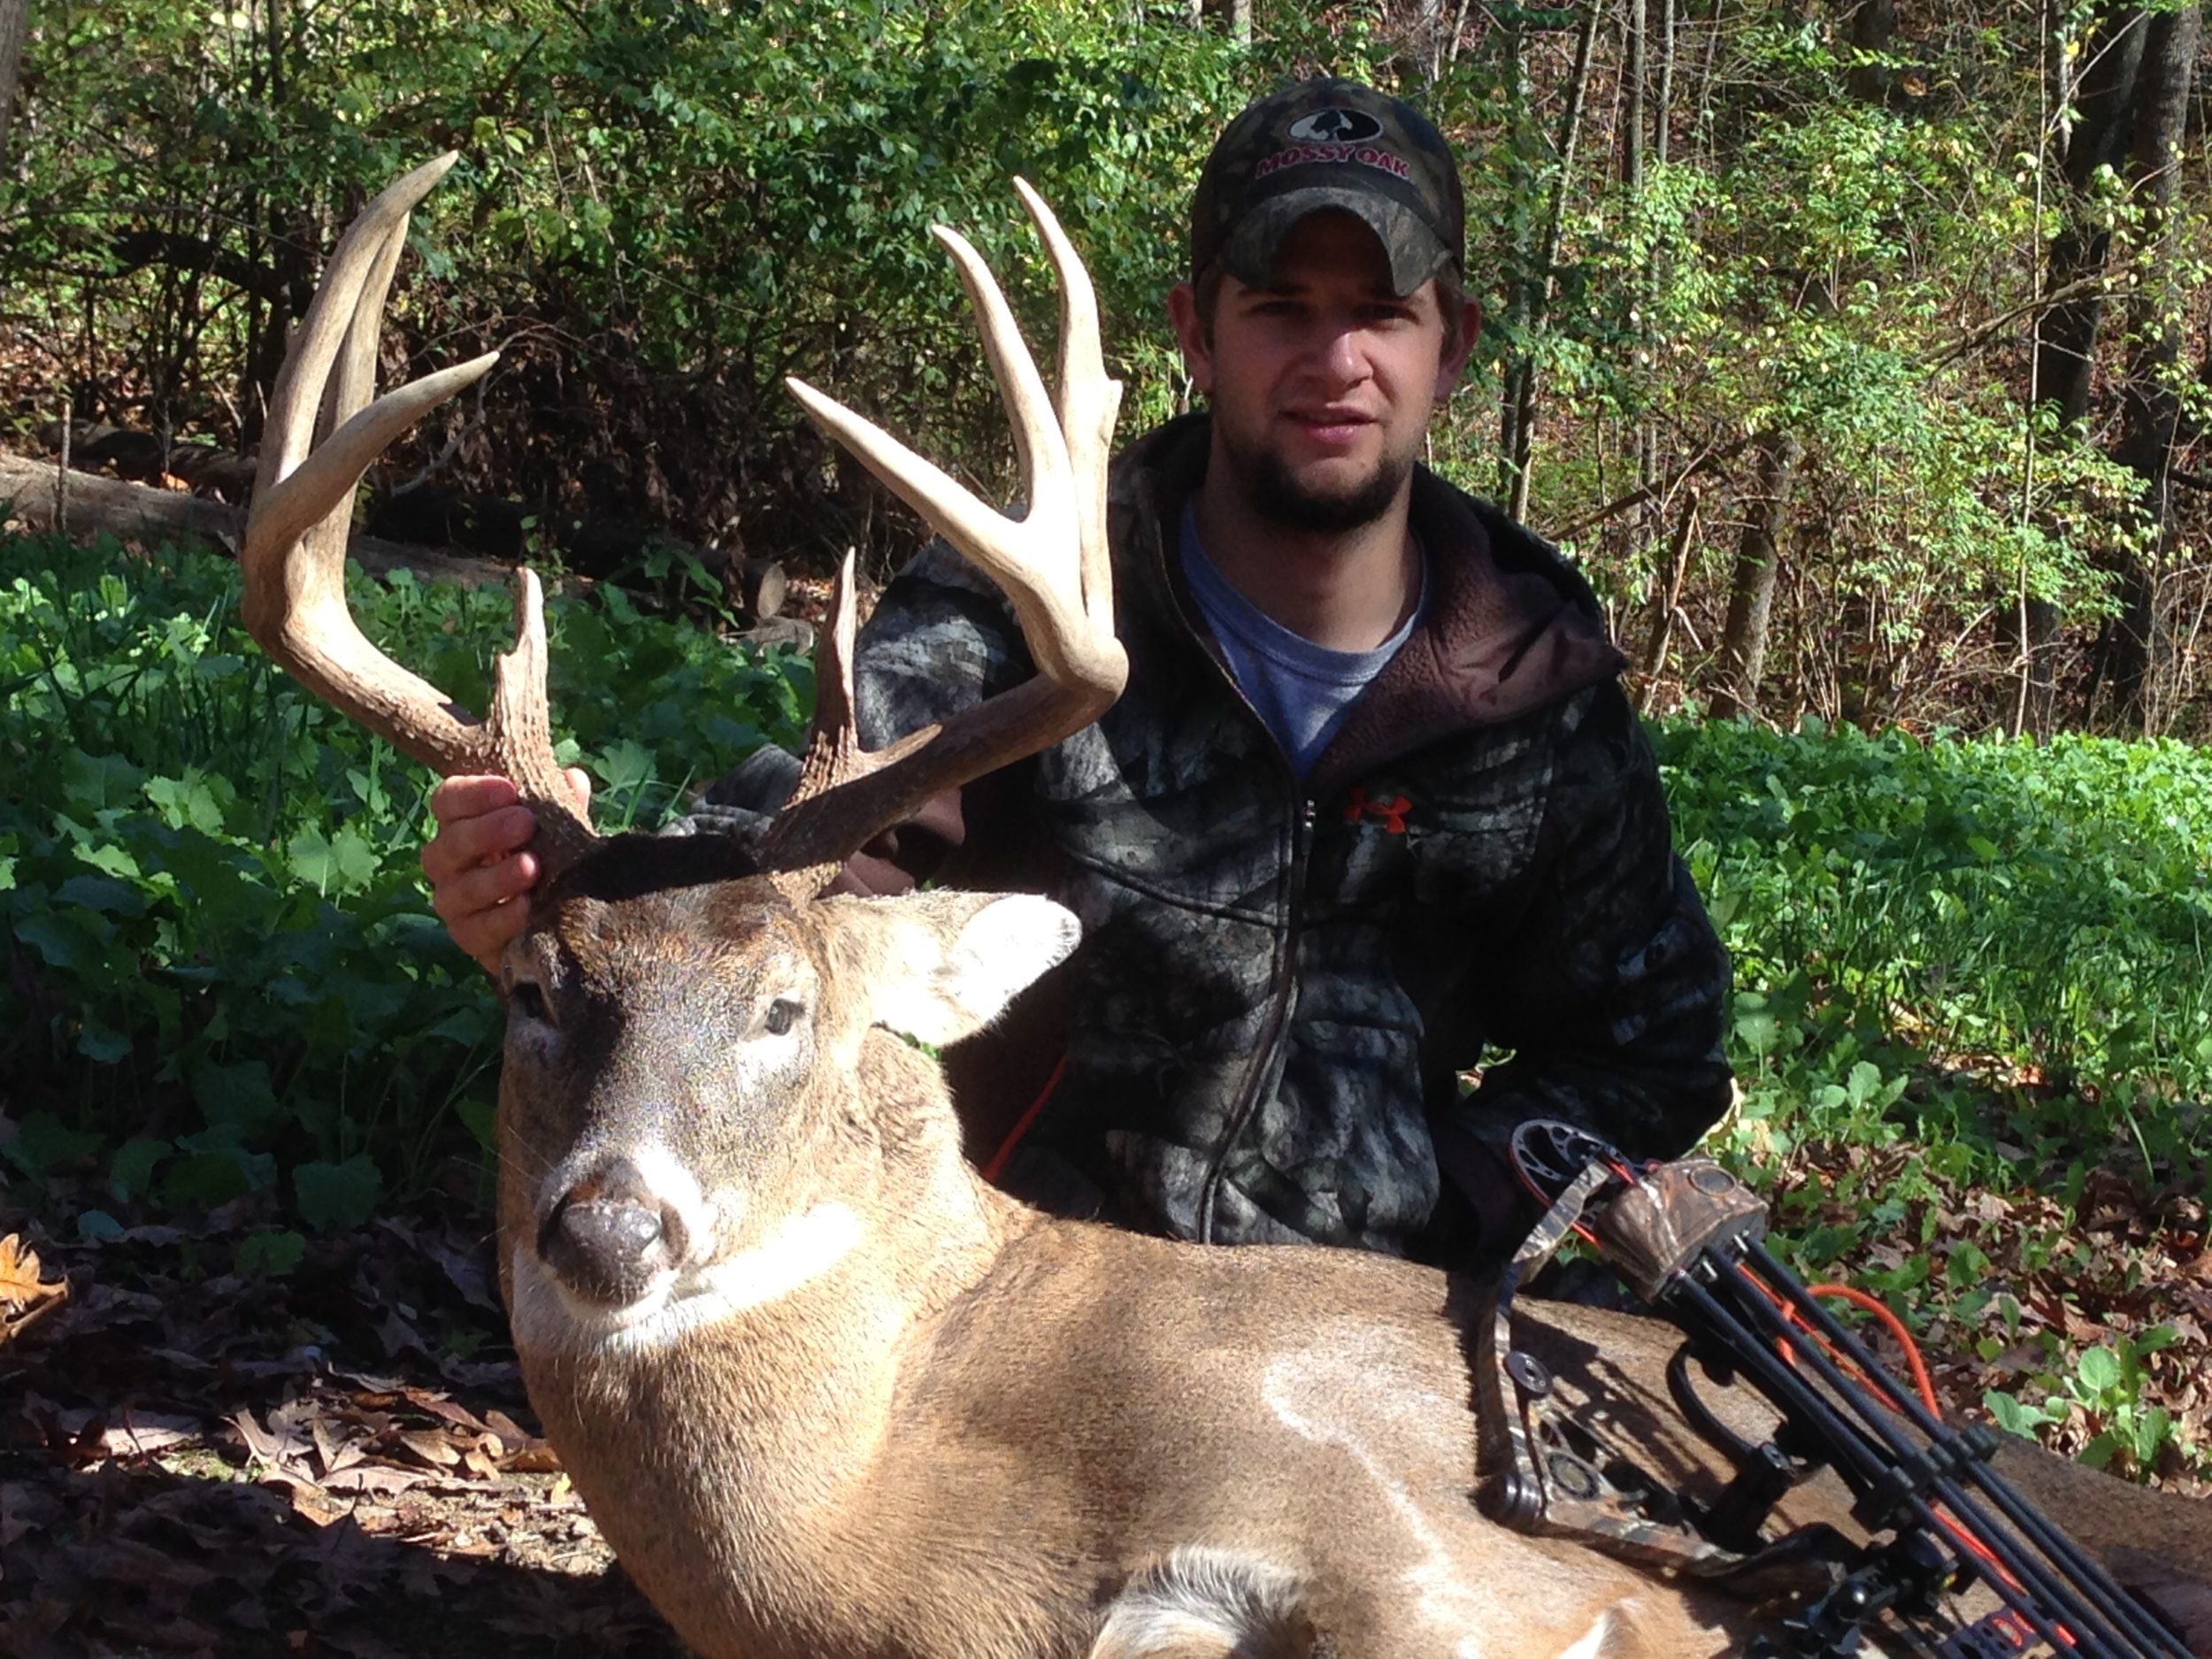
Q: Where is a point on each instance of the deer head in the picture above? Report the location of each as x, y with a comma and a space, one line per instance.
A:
689, 1024
703, 1105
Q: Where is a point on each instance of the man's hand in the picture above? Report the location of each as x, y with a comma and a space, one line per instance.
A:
479, 876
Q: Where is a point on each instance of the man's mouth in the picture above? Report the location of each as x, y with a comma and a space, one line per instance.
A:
1332, 427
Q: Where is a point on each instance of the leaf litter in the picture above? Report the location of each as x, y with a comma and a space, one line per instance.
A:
338, 1461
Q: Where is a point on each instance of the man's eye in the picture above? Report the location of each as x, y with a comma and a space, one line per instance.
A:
529, 1002
782, 1014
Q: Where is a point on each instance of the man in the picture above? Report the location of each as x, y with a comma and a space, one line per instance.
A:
1372, 803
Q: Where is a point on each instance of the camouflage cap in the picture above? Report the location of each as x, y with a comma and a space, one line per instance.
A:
1330, 143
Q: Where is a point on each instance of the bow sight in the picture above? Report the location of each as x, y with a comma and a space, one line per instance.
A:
1687, 1237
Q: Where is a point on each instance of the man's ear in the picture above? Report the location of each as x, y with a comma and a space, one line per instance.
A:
941, 965
1458, 349
1190, 334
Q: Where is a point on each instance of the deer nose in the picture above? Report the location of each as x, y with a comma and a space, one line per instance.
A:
610, 1234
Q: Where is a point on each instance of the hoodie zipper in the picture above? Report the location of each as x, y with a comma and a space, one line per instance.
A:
1304, 813
1278, 1018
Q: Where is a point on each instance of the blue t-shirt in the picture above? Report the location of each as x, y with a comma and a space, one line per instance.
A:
1302, 690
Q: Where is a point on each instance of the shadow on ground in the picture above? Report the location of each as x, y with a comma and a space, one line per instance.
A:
332, 1459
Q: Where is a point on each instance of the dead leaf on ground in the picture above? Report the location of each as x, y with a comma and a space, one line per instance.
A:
23, 1299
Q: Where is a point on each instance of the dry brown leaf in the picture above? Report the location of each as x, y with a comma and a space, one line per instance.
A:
23, 1299
435, 1449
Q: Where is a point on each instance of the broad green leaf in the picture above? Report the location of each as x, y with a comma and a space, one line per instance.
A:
101, 1044
99, 892
205, 1179
44, 1142
91, 782
269, 1255
337, 1196
117, 861
2100, 1370
76, 941
235, 1097
187, 802
131, 1174
479, 1116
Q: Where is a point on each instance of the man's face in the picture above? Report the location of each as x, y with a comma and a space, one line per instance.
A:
1322, 382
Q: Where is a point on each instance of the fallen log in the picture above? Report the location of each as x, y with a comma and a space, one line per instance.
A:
143, 511
28, 489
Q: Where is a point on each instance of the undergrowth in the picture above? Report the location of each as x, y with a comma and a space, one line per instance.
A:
225, 972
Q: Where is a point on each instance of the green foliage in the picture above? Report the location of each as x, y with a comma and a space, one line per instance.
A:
2034, 921
2104, 1386
1956, 963
226, 975
686, 203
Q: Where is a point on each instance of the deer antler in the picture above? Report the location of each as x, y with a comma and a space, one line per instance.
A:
320, 440
1052, 563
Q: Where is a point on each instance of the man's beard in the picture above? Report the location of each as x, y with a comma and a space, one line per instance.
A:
1275, 494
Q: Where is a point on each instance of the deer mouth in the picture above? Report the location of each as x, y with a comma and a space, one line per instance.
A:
618, 1238
674, 1301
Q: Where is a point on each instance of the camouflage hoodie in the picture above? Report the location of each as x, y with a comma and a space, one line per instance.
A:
1281, 982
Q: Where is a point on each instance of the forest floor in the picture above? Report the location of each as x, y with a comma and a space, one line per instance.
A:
338, 1459
335, 1461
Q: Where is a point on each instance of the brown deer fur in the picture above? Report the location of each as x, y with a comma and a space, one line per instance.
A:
952, 1427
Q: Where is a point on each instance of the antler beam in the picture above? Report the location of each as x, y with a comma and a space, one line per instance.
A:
322, 434
1052, 563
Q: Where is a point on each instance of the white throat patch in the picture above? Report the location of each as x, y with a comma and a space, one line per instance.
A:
801, 1248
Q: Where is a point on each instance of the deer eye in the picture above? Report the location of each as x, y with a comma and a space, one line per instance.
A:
782, 1014
529, 1002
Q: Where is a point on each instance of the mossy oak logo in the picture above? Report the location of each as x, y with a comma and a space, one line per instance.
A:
1334, 135
1337, 126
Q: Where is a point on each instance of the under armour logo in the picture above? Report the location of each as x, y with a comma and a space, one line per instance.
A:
1391, 812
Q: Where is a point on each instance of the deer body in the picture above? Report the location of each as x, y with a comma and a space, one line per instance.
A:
951, 1425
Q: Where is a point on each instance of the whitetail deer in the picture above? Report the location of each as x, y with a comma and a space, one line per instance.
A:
825, 1391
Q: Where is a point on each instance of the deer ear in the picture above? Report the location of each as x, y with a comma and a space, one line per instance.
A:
945, 965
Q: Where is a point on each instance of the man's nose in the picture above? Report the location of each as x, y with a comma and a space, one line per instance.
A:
1339, 353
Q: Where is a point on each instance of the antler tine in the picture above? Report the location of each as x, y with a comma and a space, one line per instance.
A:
294, 559
1089, 402
1046, 592
1051, 563
833, 755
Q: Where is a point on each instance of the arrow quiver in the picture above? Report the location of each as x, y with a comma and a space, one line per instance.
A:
1689, 1239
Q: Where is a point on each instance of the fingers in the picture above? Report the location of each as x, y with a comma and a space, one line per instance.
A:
485, 934
580, 780
477, 871
456, 798
462, 844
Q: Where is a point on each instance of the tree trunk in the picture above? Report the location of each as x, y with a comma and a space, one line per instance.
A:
1236, 17
1667, 601
1743, 647
1635, 23
1519, 421
2066, 341
51, 498
2066, 334
2136, 647
15, 27
1873, 25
